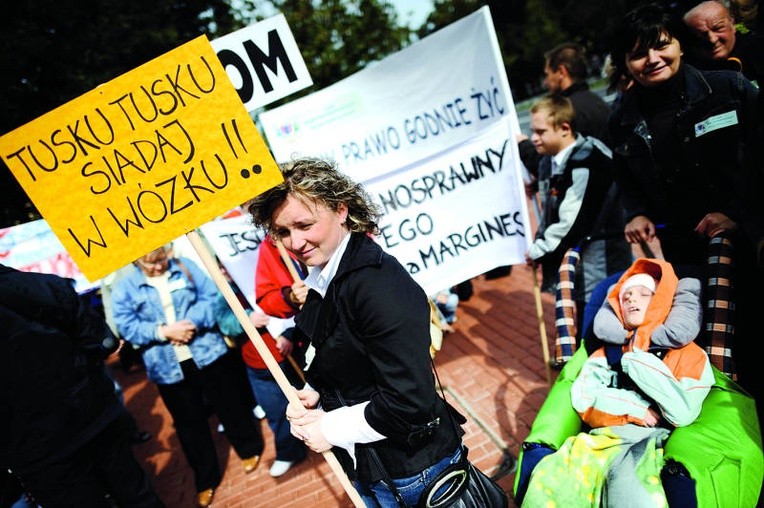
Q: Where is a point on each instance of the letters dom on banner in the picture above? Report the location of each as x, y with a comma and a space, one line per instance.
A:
263, 62
142, 159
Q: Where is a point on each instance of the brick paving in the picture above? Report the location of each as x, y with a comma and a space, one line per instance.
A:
491, 367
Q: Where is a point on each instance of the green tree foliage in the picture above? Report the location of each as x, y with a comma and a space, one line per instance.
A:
338, 37
526, 29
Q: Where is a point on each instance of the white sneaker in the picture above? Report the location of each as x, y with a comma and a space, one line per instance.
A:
280, 467
259, 412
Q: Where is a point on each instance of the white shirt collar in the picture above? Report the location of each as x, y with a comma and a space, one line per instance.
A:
563, 154
319, 280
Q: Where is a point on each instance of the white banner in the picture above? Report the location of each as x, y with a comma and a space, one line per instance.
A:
441, 108
455, 213
236, 243
263, 62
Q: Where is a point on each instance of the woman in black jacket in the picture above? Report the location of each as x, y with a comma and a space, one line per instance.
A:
683, 153
370, 385
680, 138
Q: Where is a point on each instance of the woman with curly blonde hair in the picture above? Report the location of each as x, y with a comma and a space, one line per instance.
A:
371, 392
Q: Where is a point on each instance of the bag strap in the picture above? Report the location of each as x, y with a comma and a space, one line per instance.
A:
375, 457
443, 395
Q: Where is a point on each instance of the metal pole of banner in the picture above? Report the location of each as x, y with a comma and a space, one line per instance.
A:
270, 362
542, 326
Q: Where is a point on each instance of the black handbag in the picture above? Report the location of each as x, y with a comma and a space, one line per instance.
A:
462, 484
467, 487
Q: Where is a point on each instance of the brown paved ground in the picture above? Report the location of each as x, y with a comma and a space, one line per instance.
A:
492, 369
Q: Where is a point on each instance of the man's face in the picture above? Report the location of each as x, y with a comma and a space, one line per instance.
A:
547, 138
713, 24
553, 79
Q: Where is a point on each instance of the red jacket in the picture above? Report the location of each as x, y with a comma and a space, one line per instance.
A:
271, 280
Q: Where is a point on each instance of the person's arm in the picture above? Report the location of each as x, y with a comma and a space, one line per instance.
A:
273, 283
138, 328
746, 97
227, 321
558, 235
396, 335
598, 400
633, 198
202, 311
680, 399
685, 318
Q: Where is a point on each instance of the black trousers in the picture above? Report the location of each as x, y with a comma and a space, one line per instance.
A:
219, 384
104, 465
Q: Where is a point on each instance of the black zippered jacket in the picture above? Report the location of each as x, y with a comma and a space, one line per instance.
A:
372, 338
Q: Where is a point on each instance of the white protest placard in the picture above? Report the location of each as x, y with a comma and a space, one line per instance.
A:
409, 106
454, 211
263, 62
406, 125
236, 243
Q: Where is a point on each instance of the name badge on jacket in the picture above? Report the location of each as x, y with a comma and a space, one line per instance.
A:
716, 122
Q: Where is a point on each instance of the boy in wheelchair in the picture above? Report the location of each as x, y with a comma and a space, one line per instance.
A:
647, 378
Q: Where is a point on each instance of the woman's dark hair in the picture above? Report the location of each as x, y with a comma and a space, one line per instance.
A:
642, 27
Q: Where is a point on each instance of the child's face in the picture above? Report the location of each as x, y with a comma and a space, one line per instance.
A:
548, 139
634, 305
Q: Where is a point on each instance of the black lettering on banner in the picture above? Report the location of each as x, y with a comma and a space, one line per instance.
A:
277, 53
441, 182
432, 123
168, 197
142, 156
408, 229
173, 207
235, 128
243, 241
187, 85
454, 244
86, 248
487, 104
247, 89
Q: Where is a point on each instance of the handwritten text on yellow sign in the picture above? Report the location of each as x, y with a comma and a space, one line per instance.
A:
141, 159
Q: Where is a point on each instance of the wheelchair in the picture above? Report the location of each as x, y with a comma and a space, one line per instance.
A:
717, 460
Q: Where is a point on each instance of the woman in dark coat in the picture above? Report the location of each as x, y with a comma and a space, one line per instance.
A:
682, 154
370, 385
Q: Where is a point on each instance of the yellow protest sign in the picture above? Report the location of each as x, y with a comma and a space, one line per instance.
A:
142, 159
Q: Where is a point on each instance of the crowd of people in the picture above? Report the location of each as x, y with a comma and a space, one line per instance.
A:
673, 159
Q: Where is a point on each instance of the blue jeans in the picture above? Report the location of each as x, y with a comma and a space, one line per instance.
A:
378, 495
274, 403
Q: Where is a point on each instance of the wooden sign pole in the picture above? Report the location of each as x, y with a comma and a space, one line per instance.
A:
270, 361
542, 326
